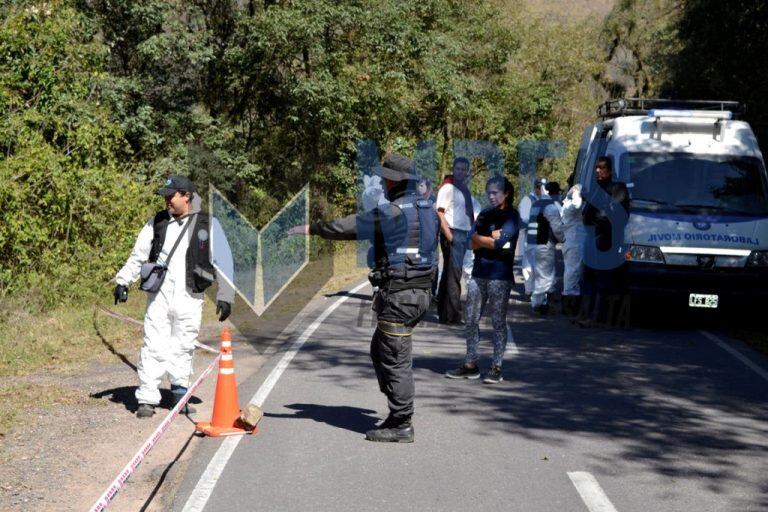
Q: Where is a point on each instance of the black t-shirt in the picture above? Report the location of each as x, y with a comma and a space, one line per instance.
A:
498, 263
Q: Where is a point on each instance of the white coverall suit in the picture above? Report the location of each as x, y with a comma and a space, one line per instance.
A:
172, 319
544, 263
528, 257
573, 247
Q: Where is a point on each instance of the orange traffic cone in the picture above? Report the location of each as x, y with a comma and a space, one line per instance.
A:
226, 408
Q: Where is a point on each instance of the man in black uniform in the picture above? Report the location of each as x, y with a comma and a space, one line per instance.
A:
404, 237
603, 285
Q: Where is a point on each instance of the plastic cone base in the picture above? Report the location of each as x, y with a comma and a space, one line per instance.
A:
206, 428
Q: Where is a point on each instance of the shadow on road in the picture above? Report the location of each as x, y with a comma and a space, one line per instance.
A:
669, 401
339, 416
126, 395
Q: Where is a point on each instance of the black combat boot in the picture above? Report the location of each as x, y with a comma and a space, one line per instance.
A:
392, 430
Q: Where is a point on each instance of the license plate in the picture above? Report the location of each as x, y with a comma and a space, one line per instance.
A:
701, 300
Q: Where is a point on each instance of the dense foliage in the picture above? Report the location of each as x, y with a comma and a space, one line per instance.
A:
66, 204
101, 99
691, 49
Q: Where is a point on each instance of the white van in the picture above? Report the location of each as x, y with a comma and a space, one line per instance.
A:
698, 226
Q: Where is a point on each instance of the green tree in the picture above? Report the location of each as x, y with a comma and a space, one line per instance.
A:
66, 206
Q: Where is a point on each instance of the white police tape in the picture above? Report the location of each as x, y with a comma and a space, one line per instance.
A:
139, 323
207, 348
151, 441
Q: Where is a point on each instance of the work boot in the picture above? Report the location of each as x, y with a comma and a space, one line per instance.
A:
145, 411
392, 430
177, 392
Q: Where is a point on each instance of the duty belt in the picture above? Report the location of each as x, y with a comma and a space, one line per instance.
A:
394, 329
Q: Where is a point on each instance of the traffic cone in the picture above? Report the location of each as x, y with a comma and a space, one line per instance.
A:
226, 408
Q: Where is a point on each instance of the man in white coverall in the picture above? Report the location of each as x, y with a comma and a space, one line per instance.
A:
573, 250
544, 231
528, 251
172, 319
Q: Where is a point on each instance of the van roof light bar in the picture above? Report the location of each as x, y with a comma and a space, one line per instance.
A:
643, 106
705, 114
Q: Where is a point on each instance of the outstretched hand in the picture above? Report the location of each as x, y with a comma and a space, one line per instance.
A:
299, 230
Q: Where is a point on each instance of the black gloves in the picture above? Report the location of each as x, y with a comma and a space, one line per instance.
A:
223, 309
121, 293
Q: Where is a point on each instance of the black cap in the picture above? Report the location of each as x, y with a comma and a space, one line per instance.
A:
396, 168
539, 181
176, 184
553, 188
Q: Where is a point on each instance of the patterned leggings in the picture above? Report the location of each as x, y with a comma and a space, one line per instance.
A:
494, 294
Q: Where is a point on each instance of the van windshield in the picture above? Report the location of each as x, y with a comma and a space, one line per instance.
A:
724, 184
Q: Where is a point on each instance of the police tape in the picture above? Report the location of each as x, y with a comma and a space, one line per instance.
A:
151, 441
138, 323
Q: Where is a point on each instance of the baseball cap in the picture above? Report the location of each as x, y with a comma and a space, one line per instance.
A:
176, 184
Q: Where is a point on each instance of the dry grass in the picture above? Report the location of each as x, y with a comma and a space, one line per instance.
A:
16, 400
345, 269
63, 341
559, 11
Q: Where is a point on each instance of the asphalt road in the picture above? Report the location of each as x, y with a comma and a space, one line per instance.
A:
585, 420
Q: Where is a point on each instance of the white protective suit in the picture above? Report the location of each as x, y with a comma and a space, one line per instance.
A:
544, 263
528, 257
172, 319
573, 247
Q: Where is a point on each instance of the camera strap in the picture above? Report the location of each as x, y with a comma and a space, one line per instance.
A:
192, 220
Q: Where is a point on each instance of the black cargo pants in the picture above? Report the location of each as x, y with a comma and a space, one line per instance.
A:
398, 312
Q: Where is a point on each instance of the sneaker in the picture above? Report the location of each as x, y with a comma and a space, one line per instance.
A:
145, 411
462, 372
400, 433
493, 376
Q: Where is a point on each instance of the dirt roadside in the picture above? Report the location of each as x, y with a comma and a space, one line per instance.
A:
66, 455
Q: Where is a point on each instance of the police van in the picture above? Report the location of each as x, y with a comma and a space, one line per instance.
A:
697, 232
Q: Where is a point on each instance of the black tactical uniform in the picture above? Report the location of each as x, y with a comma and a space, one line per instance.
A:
404, 237
603, 286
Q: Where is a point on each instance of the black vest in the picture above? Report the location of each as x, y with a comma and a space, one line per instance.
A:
542, 233
200, 271
407, 248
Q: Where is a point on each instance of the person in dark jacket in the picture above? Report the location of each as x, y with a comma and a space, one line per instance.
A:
493, 240
404, 236
602, 285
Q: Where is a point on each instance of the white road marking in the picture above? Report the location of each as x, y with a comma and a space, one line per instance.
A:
735, 353
511, 345
590, 491
204, 488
